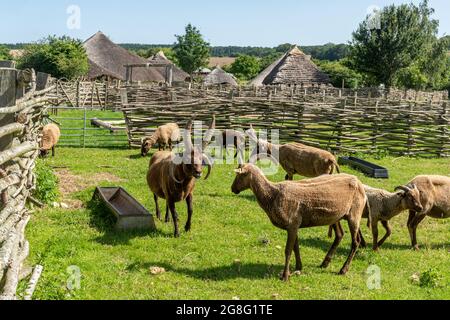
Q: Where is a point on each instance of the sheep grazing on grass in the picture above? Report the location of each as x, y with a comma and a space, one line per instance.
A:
296, 158
385, 205
165, 136
322, 201
50, 138
175, 182
435, 201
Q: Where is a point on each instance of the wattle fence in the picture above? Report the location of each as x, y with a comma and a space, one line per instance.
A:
334, 122
22, 110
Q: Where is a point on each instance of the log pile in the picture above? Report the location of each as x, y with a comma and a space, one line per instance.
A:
17, 181
340, 124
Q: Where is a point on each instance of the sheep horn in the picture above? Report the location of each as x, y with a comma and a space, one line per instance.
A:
188, 137
405, 189
172, 174
208, 162
210, 133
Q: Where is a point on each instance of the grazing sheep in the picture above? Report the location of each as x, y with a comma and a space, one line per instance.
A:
385, 205
296, 158
175, 182
165, 136
322, 201
435, 200
50, 137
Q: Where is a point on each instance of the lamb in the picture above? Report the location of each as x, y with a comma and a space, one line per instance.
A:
165, 136
296, 158
385, 205
50, 138
322, 201
435, 199
175, 181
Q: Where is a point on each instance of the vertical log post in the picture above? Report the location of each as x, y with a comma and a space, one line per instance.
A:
8, 92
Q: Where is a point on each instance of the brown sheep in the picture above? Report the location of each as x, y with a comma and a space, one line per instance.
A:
50, 138
175, 182
435, 201
385, 205
291, 206
296, 158
165, 136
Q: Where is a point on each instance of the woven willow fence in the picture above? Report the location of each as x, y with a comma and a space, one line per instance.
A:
342, 125
20, 125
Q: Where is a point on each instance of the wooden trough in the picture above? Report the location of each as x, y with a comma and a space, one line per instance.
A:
370, 169
130, 214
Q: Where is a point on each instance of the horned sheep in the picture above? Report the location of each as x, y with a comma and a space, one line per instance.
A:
435, 200
175, 181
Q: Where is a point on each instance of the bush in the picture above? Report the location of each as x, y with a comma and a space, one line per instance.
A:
245, 67
46, 184
4, 53
61, 57
339, 73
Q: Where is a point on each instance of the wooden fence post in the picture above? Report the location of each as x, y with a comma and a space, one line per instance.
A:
376, 128
8, 92
445, 133
410, 122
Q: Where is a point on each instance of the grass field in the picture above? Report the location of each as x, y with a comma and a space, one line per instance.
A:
233, 250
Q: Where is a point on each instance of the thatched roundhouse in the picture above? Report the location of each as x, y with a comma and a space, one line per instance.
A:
108, 60
161, 59
293, 68
219, 77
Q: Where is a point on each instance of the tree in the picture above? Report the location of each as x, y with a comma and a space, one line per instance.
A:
245, 67
191, 50
61, 57
402, 35
4, 53
341, 74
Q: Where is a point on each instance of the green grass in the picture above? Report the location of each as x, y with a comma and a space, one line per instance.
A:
223, 257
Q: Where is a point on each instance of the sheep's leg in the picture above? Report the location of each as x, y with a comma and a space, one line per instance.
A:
289, 177
189, 201
338, 231
388, 232
413, 229
53, 152
174, 218
290, 244
354, 229
167, 220
375, 235
158, 212
362, 240
298, 258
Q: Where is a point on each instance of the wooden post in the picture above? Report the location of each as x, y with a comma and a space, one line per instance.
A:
77, 98
445, 133
410, 143
8, 91
376, 129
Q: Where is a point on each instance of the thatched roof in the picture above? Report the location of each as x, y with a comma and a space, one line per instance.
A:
219, 76
108, 59
293, 68
178, 74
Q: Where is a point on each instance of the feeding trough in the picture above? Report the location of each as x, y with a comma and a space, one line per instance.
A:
130, 214
370, 169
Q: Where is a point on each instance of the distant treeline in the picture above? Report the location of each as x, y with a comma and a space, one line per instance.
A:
328, 51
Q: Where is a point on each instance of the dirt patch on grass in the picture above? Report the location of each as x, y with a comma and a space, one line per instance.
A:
69, 184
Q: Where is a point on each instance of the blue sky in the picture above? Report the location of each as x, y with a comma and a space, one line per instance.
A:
226, 22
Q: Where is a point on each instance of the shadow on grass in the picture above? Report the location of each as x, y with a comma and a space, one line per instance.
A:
102, 220
222, 273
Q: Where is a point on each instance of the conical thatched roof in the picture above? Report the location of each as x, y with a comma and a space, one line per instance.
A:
178, 74
108, 59
219, 76
294, 68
